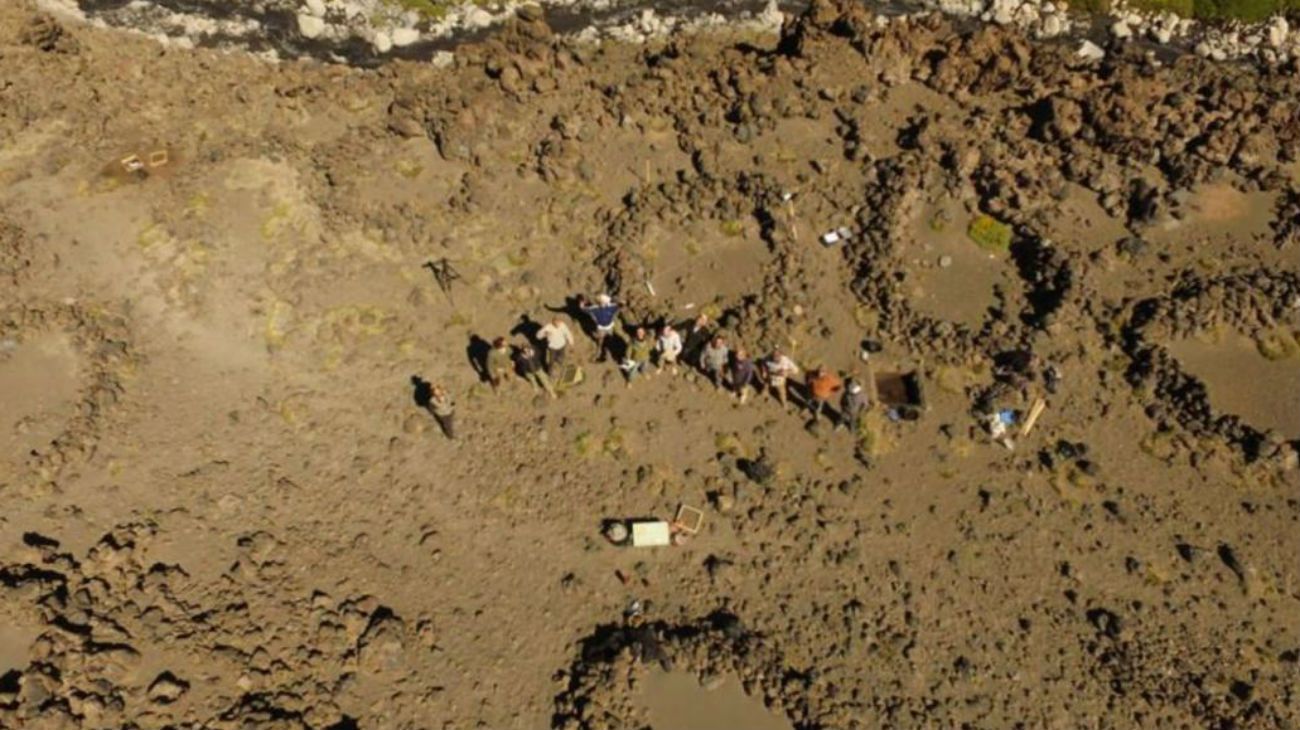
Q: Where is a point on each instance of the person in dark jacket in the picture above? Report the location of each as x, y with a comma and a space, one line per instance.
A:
604, 314
852, 405
698, 334
742, 374
530, 366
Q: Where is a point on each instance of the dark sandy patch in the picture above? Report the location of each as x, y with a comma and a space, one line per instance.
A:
1242, 381
677, 701
39, 386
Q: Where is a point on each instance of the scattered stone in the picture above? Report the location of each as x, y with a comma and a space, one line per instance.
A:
1090, 51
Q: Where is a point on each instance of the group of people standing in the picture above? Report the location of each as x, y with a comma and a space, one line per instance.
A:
541, 359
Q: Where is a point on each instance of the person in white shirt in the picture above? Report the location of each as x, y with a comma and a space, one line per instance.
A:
558, 337
779, 368
670, 347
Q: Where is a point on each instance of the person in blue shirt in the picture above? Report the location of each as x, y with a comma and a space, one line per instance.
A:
604, 314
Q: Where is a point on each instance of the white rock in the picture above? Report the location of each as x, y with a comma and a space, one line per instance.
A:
1121, 30
1090, 51
963, 8
405, 36
1003, 12
310, 26
382, 42
1162, 34
477, 17
1278, 30
771, 17
443, 59
1027, 15
1053, 25
315, 7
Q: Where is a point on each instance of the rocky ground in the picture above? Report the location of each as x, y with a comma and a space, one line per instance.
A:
225, 510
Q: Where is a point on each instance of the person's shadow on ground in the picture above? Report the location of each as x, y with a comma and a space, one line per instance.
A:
527, 327
422, 391
617, 346
574, 311
476, 352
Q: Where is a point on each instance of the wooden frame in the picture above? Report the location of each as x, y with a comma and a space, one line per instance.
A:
684, 512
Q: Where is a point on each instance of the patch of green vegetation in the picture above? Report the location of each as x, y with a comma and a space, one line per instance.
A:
432, 9
732, 228
1279, 345
518, 258
1251, 11
990, 234
874, 439
615, 443
1185, 8
582, 443
730, 444
408, 169
1092, 7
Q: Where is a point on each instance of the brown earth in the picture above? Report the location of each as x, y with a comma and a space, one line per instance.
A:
224, 509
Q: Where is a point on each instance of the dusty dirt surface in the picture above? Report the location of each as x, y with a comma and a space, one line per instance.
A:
223, 507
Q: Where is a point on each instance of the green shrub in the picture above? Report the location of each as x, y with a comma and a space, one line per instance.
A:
1251, 11
433, 9
1185, 8
1278, 345
990, 234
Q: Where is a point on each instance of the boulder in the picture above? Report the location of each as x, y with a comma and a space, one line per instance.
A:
405, 37
310, 26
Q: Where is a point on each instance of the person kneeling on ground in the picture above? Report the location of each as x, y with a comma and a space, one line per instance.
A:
443, 410
639, 351
530, 365
822, 386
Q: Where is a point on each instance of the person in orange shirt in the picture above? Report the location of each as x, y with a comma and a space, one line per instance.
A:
822, 386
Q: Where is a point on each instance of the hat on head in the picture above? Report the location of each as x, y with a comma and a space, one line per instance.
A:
604, 299
855, 388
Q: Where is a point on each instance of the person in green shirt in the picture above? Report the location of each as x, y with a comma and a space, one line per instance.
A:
498, 363
639, 351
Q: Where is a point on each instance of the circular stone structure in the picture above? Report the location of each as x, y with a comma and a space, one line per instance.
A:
61, 368
603, 686
1260, 305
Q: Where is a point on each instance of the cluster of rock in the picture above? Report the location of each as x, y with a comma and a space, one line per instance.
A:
387, 25
1254, 303
15, 251
600, 688
241, 651
1269, 42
